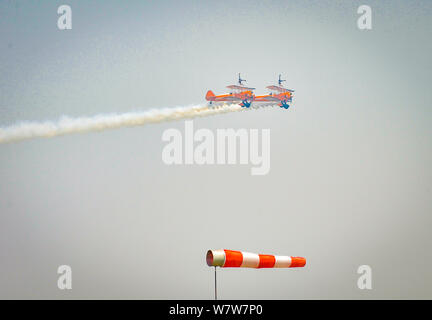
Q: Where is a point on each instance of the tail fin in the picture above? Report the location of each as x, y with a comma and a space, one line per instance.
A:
210, 95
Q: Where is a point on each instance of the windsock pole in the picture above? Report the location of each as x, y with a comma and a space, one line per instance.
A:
215, 285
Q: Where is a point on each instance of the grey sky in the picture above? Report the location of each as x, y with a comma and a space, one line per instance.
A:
350, 179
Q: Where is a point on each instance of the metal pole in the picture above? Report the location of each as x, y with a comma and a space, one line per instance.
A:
215, 285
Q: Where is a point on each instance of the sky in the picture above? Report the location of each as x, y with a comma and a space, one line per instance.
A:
350, 182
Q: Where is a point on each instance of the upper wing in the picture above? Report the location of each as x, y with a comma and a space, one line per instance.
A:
279, 89
241, 88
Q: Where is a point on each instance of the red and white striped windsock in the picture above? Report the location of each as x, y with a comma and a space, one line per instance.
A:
237, 259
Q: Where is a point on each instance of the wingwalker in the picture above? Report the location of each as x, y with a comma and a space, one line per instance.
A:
245, 97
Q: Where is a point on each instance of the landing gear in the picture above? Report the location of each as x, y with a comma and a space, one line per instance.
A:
246, 103
284, 104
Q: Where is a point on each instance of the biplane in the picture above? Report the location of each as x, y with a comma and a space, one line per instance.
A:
238, 94
278, 94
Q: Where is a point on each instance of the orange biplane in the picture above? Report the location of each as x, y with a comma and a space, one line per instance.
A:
277, 94
239, 94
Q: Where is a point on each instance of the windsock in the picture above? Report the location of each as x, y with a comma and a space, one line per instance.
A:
238, 259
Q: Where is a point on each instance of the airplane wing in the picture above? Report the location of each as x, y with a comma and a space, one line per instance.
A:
279, 89
226, 98
236, 87
266, 98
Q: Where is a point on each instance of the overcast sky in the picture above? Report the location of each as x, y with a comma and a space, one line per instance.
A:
350, 178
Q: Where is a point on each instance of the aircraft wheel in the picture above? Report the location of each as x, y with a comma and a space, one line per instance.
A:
246, 103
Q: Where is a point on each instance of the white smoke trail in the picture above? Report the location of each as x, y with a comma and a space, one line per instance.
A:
67, 125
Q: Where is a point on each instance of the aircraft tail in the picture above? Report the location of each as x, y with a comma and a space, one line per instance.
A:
210, 95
